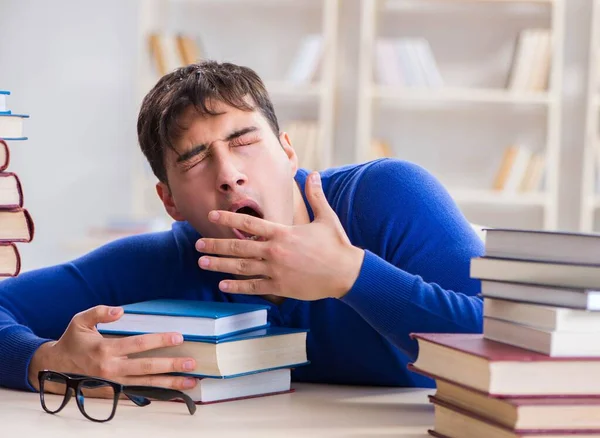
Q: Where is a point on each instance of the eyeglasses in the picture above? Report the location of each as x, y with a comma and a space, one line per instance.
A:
93, 394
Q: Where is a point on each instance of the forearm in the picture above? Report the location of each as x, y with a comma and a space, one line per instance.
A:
397, 303
18, 345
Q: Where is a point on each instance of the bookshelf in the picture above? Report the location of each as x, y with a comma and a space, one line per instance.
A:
462, 85
223, 36
590, 196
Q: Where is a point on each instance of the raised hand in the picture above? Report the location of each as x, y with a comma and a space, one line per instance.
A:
306, 262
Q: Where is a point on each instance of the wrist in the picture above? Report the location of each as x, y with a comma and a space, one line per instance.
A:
39, 361
353, 264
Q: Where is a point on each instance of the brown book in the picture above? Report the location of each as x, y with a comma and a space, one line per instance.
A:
188, 52
508, 160
10, 260
4, 155
556, 413
502, 370
453, 421
157, 53
16, 226
11, 193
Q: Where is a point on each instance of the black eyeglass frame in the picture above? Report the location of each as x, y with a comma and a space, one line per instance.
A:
138, 394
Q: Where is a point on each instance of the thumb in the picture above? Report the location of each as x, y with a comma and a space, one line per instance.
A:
99, 314
316, 197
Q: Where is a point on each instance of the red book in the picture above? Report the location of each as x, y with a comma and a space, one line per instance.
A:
556, 413
16, 226
452, 421
11, 193
10, 260
502, 370
4, 155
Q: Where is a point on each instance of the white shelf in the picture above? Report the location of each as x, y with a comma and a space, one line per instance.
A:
251, 3
493, 197
429, 6
466, 95
589, 199
292, 90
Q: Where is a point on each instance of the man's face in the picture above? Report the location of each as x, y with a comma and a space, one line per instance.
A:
232, 161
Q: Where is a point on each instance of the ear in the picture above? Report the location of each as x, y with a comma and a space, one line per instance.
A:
164, 193
286, 143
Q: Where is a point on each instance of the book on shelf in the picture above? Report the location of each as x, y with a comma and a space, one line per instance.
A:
521, 170
531, 62
307, 62
169, 51
201, 319
380, 149
304, 136
406, 62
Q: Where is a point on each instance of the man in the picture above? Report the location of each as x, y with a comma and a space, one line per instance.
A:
362, 255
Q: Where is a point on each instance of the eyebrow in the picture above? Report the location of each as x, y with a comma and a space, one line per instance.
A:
198, 149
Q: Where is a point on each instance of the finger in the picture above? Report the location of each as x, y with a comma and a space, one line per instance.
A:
247, 267
139, 343
156, 365
232, 247
164, 381
244, 222
255, 286
316, 197
98, 314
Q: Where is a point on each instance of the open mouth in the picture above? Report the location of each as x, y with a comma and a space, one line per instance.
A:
250, 210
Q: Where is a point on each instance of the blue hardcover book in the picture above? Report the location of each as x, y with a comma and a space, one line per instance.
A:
196, 319
3, 107
251, 352
11, 126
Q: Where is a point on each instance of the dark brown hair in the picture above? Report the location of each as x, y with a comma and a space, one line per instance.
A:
195, 85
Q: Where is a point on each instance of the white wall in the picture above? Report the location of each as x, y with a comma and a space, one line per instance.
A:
71, 65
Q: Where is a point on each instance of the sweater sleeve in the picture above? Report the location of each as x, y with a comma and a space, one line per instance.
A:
37, 305
418, 247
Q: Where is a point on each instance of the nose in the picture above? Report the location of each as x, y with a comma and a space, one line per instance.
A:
229, 175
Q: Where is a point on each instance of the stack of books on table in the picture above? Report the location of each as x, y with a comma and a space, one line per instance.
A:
535, 370
16, 224
238, 354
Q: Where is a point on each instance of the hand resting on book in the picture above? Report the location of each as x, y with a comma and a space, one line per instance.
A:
83, 350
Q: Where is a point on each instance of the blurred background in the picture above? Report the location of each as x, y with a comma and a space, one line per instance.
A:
497, 98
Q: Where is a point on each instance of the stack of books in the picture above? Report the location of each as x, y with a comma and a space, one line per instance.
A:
535, 370
16, 224
238, 354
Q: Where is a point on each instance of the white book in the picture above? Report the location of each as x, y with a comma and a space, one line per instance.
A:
586, 299
521, 67
551, 343
409, 65
11, 126
428, 63
542, 317
387, 65
518, 169
305, 65
208, 390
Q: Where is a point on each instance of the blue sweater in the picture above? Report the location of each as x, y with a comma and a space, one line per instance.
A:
414, 278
